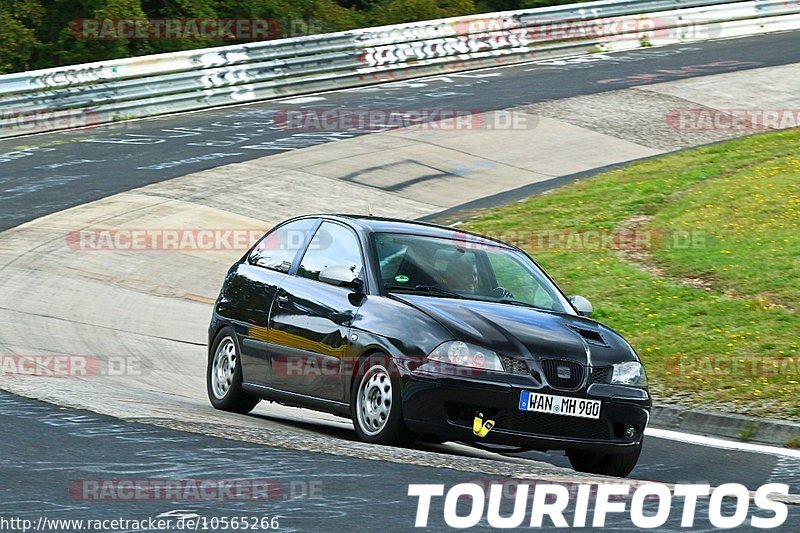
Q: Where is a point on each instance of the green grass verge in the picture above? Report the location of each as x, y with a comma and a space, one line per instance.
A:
711, 302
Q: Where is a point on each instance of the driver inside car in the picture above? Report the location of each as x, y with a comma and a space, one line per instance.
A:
462, 276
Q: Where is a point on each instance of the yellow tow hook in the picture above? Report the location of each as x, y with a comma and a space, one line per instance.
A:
481, 428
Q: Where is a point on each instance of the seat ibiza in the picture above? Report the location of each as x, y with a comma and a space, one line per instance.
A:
421, 331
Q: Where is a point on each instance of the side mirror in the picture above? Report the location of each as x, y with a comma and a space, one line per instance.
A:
582, 305
341, 276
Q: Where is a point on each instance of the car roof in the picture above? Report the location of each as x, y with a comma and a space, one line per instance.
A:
395, 225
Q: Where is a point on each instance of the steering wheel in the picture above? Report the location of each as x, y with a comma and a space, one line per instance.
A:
502, 292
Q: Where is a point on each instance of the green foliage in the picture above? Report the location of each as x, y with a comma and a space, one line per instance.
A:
748, 432
527, 4
710, 298
397, 11
69, 47
328, 16
45, 33
18, 40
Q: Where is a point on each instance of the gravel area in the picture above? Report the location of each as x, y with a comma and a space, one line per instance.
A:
636, 115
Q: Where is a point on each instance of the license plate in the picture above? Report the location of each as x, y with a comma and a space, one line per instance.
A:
559, 405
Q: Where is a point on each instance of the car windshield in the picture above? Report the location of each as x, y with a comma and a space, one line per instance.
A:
474, 269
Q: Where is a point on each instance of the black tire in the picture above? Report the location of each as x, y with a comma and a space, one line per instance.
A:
233, 398
616, 465
391, 429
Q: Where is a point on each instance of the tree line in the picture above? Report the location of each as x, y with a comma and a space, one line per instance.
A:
38, 34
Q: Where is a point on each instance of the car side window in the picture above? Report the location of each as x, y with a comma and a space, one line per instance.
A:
392, 256
506, 272
332, 245
277, 249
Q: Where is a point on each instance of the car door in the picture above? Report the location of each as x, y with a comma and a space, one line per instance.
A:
252, 291
310, 321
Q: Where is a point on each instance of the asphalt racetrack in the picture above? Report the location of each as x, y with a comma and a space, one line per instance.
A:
45, 174
313, 492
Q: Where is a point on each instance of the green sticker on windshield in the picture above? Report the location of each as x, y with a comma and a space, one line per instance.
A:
401, 279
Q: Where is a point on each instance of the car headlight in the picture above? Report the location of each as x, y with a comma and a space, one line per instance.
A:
630, 373
464, 354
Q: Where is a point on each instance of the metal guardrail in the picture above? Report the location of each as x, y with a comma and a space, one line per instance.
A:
115, 90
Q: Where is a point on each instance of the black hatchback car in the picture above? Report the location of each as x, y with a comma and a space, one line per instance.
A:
421, 331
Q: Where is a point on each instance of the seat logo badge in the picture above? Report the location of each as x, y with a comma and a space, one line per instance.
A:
481, 428
563, 372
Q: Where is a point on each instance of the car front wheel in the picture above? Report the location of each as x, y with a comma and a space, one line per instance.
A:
376, 405
616, 465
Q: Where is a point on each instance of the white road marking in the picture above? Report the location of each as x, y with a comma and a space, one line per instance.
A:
477, 75
700, 440
785, 471
302, 99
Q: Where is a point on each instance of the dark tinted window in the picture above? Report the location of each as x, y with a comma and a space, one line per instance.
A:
278, 249
478, 270
333, 245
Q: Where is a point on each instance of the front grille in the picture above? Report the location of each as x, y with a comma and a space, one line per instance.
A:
553, 425
602, 374
514, 366
566, 375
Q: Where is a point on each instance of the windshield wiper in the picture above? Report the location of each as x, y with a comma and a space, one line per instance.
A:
520, 303
424, 288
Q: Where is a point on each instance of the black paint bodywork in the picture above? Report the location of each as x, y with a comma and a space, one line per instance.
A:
329, 328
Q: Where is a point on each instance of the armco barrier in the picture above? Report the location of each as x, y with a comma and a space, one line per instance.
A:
115, 90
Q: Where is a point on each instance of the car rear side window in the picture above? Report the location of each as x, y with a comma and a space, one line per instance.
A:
333, 245
277, 250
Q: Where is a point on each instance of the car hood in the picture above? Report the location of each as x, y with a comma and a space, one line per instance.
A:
525, 332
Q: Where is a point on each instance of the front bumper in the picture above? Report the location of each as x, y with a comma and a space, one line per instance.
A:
445, 406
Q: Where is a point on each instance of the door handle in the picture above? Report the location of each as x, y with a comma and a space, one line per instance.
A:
282, 300
343, 319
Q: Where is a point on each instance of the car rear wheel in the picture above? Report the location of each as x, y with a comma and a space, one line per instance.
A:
376, 406
224, 376
616, 465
